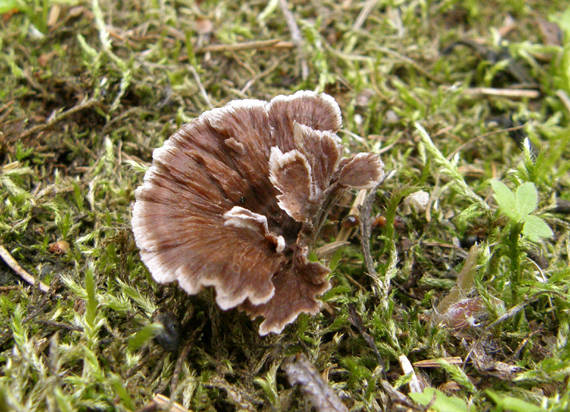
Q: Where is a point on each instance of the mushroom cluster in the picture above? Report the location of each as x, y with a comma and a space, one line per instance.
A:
235, 198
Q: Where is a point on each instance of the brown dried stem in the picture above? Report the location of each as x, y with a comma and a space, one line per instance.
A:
250, 45
365, 231
302, 372
296, 36
84, 104
15, 266
509, 93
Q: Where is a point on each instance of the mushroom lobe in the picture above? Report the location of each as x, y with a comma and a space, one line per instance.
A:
231, 200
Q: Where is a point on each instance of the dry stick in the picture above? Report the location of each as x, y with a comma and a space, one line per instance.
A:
513, 93
178, 367
296, 36
356, 320
183, 355
84, 104
15, 266
516, 309
365, 231
261, 44
366, 10
509, 314
411, 62
7, 288
564, 99
482, 136
414, 383
435, 363
261, 75
300, 371
398, 397
200, 86
164, 402
346, 232
60, 325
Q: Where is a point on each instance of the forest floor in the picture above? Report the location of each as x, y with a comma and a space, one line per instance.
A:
465, 302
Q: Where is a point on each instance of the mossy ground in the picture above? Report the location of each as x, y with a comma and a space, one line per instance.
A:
88, 89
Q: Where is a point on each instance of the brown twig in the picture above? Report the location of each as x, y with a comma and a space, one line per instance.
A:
365, 230
435, 363
179, 362
563, 96
356, 321
200, 86
511, 93
517, 308
250, 45
261, 75
411, 62
183, 355
482, 136
15, 266
364, 13
301, 371
84, 104
7, 288
159, 402
398, 397
60, 325
296, 36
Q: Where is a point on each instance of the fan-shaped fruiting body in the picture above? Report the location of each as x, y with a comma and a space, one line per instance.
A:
232, 200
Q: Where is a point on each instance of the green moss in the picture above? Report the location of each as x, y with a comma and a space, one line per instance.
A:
86, 97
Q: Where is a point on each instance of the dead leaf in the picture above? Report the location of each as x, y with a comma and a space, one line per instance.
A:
486, 365
53, 16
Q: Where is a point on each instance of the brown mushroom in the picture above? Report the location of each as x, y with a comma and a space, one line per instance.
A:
232, 200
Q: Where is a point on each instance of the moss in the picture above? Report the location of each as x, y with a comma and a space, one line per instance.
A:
87, 95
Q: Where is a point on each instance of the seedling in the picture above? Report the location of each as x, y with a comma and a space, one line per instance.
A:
519, 205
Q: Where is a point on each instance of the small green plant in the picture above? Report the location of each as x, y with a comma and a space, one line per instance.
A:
518, 206
438, 401
510, 403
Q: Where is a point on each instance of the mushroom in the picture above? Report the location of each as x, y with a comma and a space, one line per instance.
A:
234, 199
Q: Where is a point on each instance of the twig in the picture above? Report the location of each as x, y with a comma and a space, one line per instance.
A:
517, 308
200, 86
563, 96
60, 325
261, 75
296, 36
368, 7
346, 231
398, 397
356, 321
301, 371
261, 44
7, 288
15, 266
480, 137
84, 104
408, 369
411, 62
435, 363
365, 232
163, 402
512, 93
179, 362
